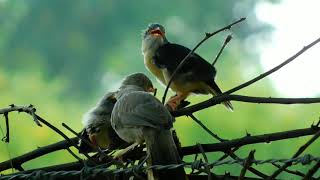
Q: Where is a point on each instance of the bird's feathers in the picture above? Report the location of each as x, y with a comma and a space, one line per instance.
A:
145, 111
196, 68
162, 150
215, 90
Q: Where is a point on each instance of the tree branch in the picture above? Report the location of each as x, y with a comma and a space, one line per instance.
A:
300, 150
226, 145
18, 161
312, 171
249, 99
226, 41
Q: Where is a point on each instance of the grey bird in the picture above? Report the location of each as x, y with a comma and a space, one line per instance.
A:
162, 58
139, 117
98, 129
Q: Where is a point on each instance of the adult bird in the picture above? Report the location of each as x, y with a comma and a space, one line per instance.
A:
139, 117
98, 129
162, 58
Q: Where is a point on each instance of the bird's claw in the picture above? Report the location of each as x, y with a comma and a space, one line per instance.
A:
172, 105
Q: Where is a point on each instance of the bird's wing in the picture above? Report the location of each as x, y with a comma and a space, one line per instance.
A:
100, 114
149, 112
196, 68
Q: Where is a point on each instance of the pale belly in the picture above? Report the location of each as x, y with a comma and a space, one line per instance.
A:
154, 69
186, 87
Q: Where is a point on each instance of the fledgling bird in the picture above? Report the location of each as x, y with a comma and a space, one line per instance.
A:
98, 129
139, 117
162, 58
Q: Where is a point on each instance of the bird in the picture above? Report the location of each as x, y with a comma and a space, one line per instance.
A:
139, 117
97, 124
162, 58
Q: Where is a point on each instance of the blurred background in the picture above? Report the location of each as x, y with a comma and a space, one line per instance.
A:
62, 55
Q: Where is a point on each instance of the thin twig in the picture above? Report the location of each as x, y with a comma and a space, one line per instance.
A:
312, 171
231, 151
74, 155
298, 173
60, 133
231, 154
83, 139
77, 135
207, 36
246, 165
206, 129
228, 39
300, 150
211, 101
27, 109
206, 160
265, 138
19, 160
7, 137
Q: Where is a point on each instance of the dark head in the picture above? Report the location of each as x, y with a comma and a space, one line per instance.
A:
153, 37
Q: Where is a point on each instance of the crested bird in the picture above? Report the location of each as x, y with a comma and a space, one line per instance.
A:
162, 58
140, 117
97, 124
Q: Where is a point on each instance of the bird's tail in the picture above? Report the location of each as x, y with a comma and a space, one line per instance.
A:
162, 150
215, 90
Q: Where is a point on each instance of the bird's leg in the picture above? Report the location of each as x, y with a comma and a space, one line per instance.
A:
126, 150
174, 101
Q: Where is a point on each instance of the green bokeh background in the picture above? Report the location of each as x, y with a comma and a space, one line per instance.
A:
62, 55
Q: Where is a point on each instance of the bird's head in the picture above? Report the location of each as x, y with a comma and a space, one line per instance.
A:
153, 37
135, 82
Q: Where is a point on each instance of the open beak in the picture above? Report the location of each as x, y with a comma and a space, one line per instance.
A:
156, 32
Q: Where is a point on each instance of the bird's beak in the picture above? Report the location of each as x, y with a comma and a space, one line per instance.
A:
156, 32
152, 90
93, 139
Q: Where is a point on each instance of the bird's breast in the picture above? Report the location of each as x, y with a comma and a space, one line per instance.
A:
153, 68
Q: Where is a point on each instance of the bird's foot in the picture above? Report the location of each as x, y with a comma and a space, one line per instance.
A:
122, 152
183, 104
172, 105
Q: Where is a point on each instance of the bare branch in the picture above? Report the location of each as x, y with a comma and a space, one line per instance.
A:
206, 129
207, 36
312, 171
249, 99
246, 165
266, 138
18, 161
298, 173
229, 152
211, 101
7, 137
301, 149
27, 109
228, 39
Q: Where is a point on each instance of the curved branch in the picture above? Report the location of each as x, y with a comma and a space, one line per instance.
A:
18, 161
249, 99
227, 145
